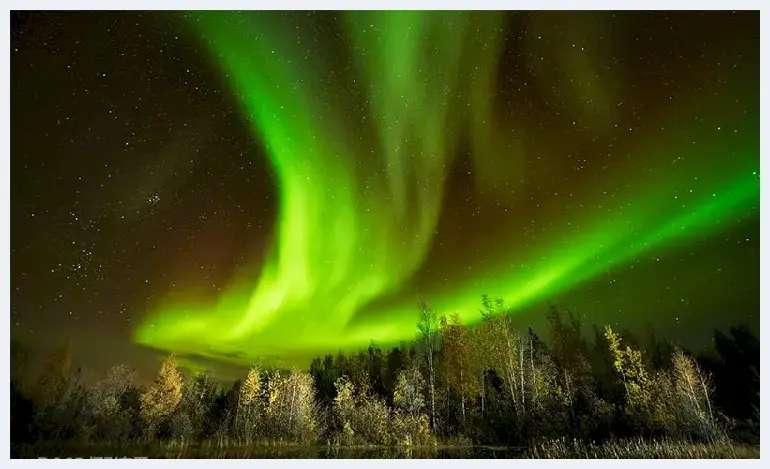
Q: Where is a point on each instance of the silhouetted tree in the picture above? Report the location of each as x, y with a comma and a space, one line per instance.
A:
491, 382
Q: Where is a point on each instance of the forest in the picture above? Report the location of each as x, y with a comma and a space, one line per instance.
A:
495, 384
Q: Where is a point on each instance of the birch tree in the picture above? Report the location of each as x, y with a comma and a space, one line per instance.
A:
429, 329
457, 354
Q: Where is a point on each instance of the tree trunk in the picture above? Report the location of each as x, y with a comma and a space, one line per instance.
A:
510, 370
692, 391
483, 390
521, 373
291, 410
432, 386
625, 385
569, 397
447, 407
238, 411
532, 365
462, 395
705, 392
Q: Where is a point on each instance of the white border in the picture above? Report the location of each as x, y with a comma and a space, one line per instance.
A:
383, 5
329, 5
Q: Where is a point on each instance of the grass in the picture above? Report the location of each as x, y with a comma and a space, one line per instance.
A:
641, 449
553, 449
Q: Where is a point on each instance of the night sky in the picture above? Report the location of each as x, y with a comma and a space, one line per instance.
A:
230, 186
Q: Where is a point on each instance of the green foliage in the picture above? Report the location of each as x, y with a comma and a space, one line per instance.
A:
488, 384
291, 406
371, 422
361, 419
630, 367
344, 402
411, 429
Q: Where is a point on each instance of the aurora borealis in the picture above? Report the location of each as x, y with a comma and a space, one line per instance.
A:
341, 244
538, 157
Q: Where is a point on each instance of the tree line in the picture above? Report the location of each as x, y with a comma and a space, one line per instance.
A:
491, 384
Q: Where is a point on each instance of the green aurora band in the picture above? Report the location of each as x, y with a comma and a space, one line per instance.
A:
358, 215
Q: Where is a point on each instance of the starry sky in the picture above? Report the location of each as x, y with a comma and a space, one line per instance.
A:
278, 185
